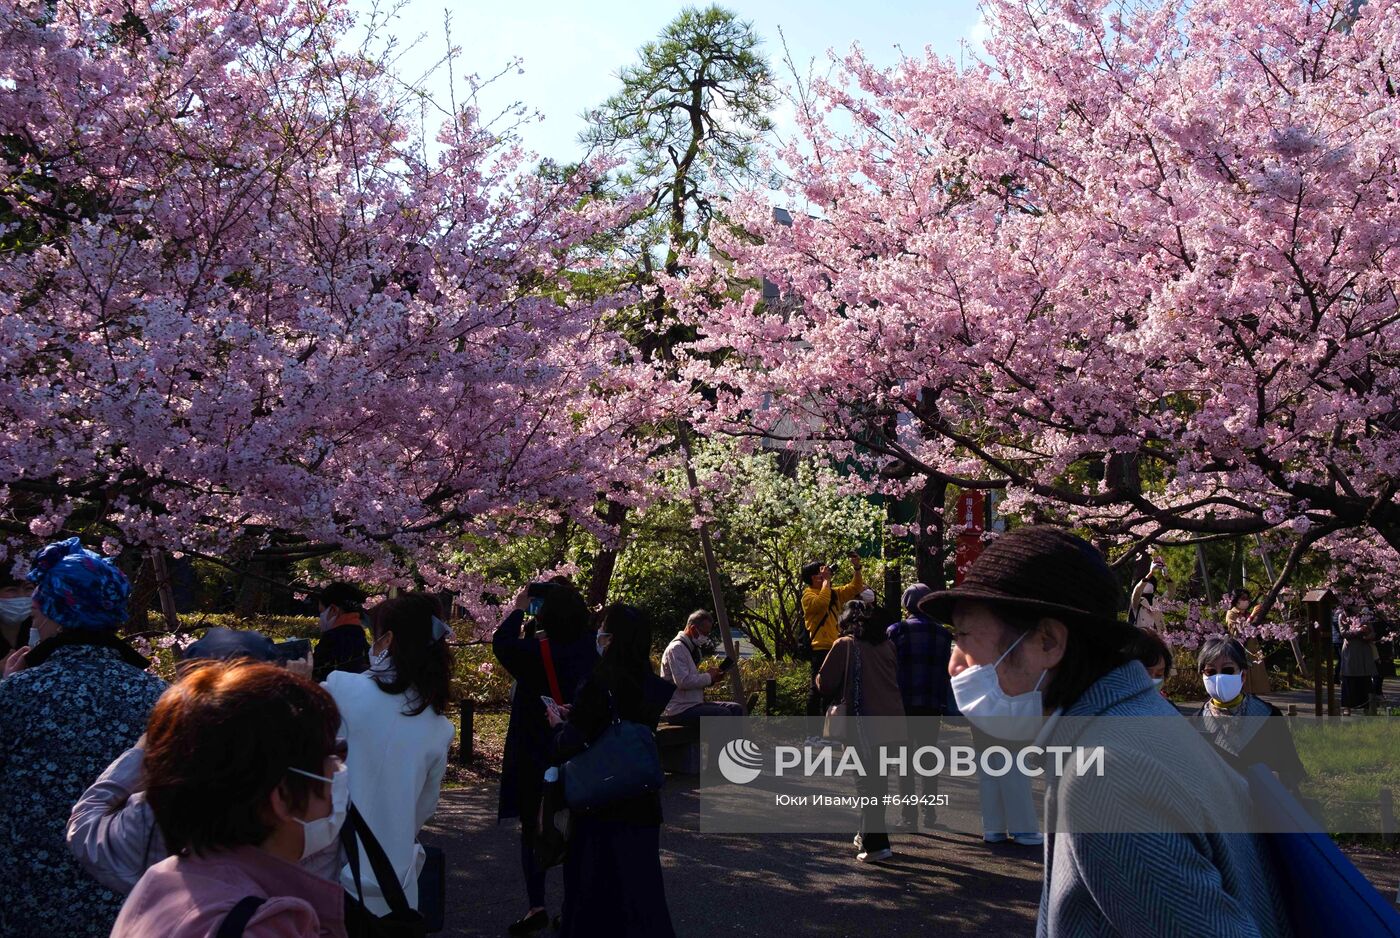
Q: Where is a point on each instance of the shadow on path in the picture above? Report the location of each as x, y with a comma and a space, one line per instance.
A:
762, 884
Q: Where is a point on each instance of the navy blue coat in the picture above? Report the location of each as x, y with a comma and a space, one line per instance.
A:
529, 743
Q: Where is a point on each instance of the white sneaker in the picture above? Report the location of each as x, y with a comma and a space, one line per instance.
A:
875, 857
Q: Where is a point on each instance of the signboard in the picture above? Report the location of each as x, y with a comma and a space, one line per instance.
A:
972, 517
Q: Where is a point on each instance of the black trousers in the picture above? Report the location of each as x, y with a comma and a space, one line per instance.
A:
924, 729
815, 701
874, 835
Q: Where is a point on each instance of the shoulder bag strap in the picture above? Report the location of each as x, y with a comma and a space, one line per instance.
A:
352, 854
857, 680
239, 916
389, 886
850, 664
548, 660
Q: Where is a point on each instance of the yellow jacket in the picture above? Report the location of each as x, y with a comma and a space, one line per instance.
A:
820, 611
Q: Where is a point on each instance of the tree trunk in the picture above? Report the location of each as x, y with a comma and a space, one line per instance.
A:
605, 563
930, 541
165, 590
252, 592
892, 552
143, 587
1236, 580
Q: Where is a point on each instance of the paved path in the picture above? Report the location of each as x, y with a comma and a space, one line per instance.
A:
725, 884
769, 885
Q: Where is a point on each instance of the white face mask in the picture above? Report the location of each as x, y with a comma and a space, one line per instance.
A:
322, 832
1224, 687
16, 609
1157, 682
600, 642
379, 661
980, 698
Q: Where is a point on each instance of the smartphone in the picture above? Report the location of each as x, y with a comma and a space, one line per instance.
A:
291, 650
726, 664
550, 705
536, 592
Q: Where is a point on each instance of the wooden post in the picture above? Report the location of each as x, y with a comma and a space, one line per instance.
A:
1333, 705
736, 683
1321, 662
770, 695
1387, 816
465, 748
165, 591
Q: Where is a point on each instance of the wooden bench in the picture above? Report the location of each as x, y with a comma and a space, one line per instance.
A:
679, 747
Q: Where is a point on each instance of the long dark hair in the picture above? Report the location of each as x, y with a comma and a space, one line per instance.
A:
422, 663
627, 659
867, 623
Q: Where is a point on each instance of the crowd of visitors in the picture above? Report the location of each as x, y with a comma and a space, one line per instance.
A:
224, 799
271, 797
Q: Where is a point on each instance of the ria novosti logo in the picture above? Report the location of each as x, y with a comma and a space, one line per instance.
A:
740, 761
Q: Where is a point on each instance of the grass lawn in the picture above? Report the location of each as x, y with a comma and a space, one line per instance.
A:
1349, 762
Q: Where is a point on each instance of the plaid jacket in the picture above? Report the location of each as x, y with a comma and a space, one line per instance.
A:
923, 648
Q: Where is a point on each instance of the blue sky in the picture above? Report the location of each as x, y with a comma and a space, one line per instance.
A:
572, 51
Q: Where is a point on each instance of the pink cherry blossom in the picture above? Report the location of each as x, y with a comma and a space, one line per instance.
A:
241, 304
1139, 268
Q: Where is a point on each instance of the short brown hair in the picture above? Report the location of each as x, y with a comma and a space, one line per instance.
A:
221, 739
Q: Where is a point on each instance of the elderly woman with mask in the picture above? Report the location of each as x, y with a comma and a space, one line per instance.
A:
1237, 723
80, 699
1039, 645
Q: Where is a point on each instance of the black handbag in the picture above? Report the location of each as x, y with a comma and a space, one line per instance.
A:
623, 762
403, 921
432, 889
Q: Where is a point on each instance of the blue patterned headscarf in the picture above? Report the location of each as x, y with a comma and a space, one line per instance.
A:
78, 588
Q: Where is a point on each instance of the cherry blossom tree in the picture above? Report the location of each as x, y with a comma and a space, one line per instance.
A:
1137, 265
240, 305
